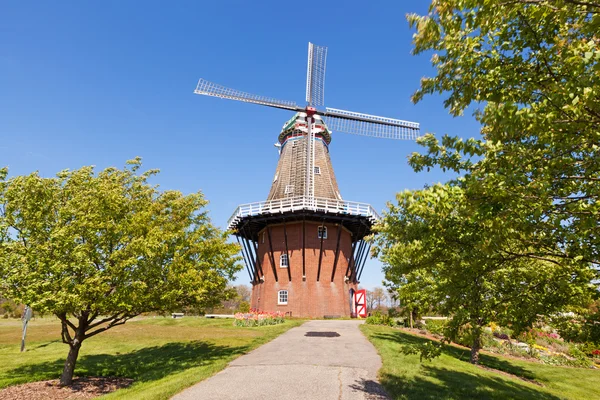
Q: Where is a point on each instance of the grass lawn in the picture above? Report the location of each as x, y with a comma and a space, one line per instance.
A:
451, 376
162, 355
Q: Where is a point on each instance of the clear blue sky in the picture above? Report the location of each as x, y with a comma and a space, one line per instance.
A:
98, 83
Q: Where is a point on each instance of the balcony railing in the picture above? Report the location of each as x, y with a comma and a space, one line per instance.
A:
302, 203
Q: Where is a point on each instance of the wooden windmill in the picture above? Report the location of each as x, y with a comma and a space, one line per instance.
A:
304, 246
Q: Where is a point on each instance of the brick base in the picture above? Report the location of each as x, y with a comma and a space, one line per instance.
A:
314, 293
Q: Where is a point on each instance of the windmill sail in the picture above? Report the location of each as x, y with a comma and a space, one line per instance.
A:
208, 88
315, 75
370, 125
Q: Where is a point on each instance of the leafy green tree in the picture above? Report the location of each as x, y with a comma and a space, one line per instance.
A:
413, 290
530, 70
435, 245
98, 249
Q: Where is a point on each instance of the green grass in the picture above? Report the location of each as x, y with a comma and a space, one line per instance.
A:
162, 355
451, 376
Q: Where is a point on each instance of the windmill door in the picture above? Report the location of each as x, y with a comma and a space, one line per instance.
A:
360, 300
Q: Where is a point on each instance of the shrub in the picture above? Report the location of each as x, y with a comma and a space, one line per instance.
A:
394, 312
379, 319
244, 307
436, 326
578, 328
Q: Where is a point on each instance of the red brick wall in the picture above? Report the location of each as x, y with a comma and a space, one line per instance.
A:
306, 297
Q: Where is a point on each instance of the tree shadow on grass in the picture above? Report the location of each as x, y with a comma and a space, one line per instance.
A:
462, 354
451, 384
435, 382
147, 364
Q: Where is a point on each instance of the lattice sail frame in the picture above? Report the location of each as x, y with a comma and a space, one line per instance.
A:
315, 75
370, 125
208, 88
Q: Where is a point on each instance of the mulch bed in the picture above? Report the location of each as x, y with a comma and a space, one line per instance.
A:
82, 388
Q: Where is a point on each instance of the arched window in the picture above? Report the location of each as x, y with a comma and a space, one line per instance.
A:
322, 232
284, 261
282, 297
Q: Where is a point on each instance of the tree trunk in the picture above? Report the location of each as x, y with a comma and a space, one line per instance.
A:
411, 319
476, 346
67, 376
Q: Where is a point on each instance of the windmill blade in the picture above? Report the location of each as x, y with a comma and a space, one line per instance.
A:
212, 89
370, 125
315, 75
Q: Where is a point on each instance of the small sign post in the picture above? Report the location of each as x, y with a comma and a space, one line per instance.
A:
26, 317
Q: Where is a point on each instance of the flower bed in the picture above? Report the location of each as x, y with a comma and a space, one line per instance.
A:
258, 318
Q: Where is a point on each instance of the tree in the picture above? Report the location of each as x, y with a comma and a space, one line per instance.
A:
243, 292
414, 291
439, 252
379, 297
531, 71
233, 304
370, 300
98, 249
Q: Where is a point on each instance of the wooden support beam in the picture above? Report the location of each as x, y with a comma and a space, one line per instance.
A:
303, 248
321, 249
350, 264
337, 250
289, 261
250, 254
258, 262
271, 254
251, 257
246, 262
364, 261
357, 258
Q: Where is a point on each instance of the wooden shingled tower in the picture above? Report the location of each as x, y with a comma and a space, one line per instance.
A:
304, 246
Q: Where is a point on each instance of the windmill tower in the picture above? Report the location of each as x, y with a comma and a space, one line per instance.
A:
304, 247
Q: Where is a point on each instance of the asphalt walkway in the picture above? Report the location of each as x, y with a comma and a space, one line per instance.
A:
317, 360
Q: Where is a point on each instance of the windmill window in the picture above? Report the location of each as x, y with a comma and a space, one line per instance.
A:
282, 297
264, 234
322, 233
284, 261
289, 189
275, 179
317, 170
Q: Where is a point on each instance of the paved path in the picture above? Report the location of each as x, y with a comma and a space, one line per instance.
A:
296, 366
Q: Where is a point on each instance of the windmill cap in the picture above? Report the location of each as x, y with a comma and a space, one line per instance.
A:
296, 126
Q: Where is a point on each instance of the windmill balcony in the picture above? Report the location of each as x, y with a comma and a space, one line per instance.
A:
303, 203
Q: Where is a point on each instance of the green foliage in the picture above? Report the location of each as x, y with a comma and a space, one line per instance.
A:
244, 307
8, 309
531, 72
426, 350
523, 216
581, 329
440, 250
435, 326
98, 249
379, 319
394, 312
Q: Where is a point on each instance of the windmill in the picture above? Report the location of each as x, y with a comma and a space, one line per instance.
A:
304, 196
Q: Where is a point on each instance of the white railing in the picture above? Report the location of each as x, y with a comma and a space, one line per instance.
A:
299, 203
